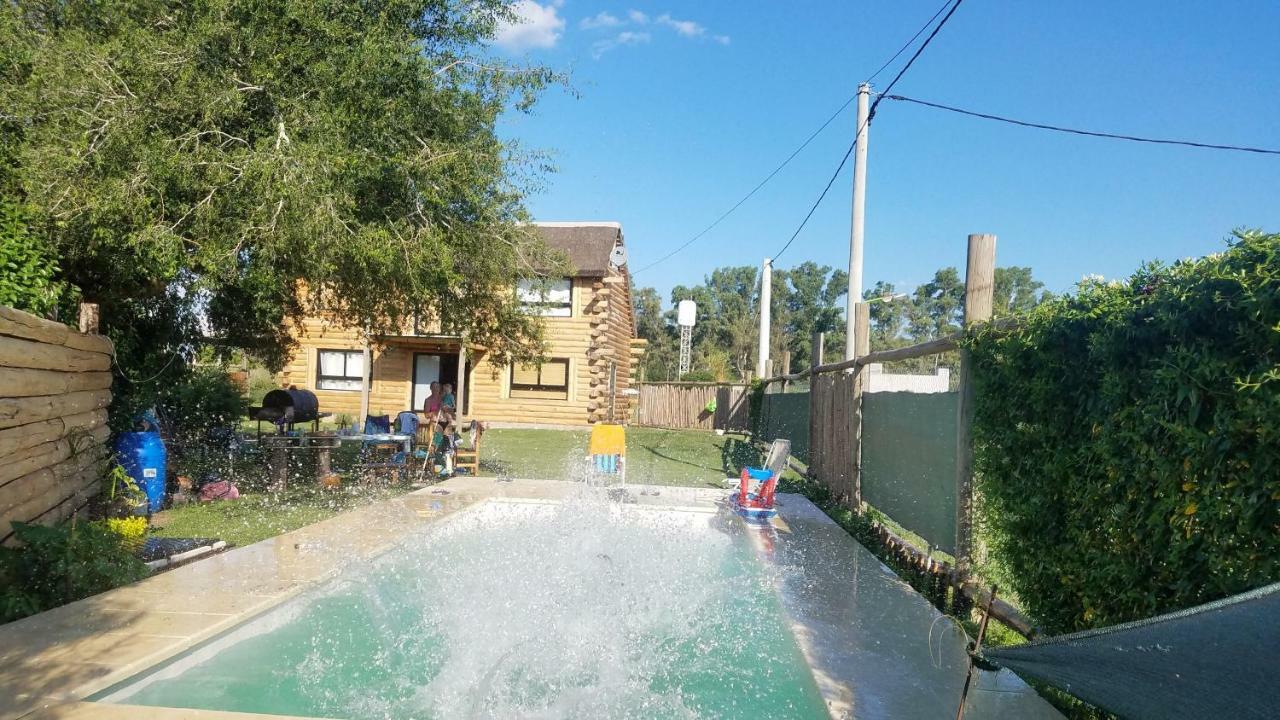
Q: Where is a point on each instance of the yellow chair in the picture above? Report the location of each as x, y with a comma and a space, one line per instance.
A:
608, 449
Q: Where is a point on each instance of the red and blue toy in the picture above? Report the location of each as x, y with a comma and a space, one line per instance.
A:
756, 506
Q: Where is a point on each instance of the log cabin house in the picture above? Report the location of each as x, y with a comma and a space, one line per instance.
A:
591, 361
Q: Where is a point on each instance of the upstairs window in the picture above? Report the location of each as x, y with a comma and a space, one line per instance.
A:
549, 298
550, 380
340, 370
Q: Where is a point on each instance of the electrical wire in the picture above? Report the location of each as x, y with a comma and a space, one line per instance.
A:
754, 190
825, 190
906, 45
1075, 131
872, 113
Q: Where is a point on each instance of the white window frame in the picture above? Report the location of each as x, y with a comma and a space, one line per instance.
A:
548, 298
347, 381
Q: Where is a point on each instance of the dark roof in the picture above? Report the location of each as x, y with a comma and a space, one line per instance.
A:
587, 244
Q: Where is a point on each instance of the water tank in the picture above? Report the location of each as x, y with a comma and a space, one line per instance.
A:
142, 455
686, 313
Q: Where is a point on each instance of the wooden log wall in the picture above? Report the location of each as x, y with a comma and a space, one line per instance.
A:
681, 406
55, 385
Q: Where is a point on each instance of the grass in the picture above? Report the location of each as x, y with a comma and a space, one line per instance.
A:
260, 515
654, 456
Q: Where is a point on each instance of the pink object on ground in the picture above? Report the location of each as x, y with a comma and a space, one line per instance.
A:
219, 490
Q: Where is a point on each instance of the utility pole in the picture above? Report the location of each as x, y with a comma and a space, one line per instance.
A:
766, 300
856, 224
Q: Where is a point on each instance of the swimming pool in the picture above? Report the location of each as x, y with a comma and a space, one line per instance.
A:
585, 608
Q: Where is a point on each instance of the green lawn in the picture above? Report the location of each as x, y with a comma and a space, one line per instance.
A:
259, 515
654, 456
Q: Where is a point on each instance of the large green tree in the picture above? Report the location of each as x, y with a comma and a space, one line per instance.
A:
190, 162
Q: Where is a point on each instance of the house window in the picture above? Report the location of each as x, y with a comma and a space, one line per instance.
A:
340, 370
549, 298
549, 381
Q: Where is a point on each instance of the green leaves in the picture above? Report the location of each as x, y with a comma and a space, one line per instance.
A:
201, 159
1125, 440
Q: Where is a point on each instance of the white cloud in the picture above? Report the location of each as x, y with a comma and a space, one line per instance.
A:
537, 26
687, 28
722, 39
603, 20
623, 38
637, 17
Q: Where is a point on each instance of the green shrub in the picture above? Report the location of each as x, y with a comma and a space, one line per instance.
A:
56, 565
28, 267
205, 400
1127, 440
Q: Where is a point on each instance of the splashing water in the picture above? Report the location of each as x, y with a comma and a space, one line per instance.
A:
585, 609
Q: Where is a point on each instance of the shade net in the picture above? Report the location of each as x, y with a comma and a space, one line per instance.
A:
785, 416
909, 461
1219, 661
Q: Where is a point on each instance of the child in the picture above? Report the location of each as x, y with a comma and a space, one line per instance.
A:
445, 442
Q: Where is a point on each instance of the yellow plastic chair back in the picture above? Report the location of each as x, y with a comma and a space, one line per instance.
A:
608, 440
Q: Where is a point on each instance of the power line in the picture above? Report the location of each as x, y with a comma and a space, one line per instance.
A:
1075, 131
755, 189
872, 113
906, 45
825, 190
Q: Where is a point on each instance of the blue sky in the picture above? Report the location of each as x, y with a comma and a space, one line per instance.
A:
680, 108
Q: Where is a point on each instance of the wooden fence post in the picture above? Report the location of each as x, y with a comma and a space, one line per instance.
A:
815, 349
979, 280
89, 318
862, 347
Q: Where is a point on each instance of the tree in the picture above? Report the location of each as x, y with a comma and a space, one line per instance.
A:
937, 307
661, 355
727, 318
1015, 291
222, 166
888, 315
812, 304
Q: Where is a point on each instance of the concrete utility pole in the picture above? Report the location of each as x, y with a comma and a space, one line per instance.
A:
766, 300
856, 224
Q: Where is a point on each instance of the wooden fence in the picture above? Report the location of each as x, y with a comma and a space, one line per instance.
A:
55, 385
683, 406
836, 424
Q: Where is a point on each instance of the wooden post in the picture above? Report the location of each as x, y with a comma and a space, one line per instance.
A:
786, 367
815, 349
89, 318
365, 381
459, 393
861, 326
979, 282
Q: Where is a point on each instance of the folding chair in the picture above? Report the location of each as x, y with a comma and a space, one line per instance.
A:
378, 455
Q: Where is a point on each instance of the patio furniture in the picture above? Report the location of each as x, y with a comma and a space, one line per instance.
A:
380, 450
608, 450
468, 456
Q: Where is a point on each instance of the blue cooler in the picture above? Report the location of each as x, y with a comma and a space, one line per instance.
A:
142, 455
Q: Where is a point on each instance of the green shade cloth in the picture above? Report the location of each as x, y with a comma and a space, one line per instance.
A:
909, 461
786, 416
1217, 661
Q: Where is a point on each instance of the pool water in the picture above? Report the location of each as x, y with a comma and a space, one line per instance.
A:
586, 609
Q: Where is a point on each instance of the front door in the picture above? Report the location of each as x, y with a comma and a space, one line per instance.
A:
426, 370
429, 368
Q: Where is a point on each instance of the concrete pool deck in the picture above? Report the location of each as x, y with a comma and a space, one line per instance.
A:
864, 632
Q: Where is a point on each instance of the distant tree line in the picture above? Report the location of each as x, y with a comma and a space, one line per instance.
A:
807, 299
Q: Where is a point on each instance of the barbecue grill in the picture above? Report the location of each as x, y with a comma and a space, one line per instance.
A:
286, 407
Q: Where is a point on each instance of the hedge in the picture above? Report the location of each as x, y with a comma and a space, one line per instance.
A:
1127, 440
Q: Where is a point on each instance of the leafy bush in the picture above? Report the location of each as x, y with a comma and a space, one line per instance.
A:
1128, 444
28, 268
205, 400
56, 565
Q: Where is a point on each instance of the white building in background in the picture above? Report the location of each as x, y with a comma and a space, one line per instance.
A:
880, 381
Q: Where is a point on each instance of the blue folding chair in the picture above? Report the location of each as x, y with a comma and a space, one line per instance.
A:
377, 455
